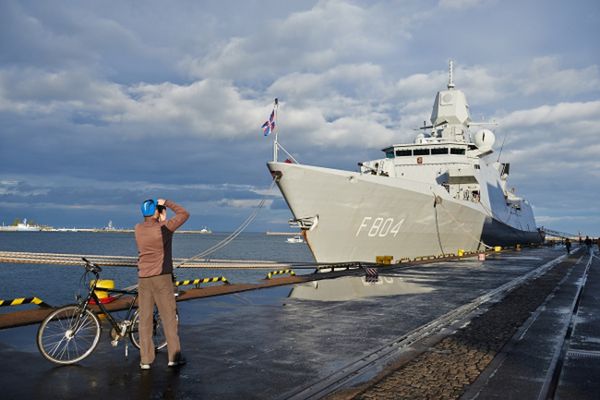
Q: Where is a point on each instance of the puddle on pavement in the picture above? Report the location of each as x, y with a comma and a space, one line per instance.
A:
530, 258
354, 287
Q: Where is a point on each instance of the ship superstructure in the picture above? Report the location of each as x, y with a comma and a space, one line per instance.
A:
443, 193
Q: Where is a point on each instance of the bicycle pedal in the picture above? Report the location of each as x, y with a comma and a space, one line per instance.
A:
114, 343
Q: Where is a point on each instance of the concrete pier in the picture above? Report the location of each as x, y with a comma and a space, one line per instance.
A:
277, 342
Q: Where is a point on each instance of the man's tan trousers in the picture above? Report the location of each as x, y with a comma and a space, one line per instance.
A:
157, 290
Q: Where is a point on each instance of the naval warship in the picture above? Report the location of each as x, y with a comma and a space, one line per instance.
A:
444, 193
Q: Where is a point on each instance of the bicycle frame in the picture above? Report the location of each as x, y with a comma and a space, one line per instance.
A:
92, 295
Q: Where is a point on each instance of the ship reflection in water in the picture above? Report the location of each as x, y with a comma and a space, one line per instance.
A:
355, 287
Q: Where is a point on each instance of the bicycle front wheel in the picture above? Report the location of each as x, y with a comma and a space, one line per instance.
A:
68, 335
160, 341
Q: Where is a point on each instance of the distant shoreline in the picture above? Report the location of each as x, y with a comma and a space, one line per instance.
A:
91, 230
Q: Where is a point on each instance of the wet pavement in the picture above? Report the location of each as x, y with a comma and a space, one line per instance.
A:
556, 353
266, 344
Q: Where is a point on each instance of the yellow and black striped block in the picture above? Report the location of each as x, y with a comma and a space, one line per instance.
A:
23, 300
280, 272
200, 281
387, 260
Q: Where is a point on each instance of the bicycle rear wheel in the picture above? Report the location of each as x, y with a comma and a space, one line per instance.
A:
158, 335
68, 335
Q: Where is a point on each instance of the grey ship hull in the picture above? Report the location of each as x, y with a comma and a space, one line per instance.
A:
357, 217
500, 234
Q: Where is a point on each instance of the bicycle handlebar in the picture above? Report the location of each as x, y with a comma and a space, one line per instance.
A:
90, 266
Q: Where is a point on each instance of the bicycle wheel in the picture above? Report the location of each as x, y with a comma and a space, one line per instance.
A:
160, 341
67, 335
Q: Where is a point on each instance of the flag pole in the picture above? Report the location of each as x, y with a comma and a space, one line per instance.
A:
275, 142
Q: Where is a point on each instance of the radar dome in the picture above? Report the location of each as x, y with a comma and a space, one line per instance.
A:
484, 139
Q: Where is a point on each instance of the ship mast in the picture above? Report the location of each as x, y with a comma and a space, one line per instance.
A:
275, 141
276, 144
450, 74
275, 147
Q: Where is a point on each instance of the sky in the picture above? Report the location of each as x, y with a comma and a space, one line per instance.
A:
106, 103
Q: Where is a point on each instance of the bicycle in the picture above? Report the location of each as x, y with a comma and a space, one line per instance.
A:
71, 333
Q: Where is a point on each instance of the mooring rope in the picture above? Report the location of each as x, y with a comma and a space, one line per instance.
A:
437, 223
461, 226
233, 234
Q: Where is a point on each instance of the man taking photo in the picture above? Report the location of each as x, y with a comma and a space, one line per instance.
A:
154, 238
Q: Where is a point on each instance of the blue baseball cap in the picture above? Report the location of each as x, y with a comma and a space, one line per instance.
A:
149, 207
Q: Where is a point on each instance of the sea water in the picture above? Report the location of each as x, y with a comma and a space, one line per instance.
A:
58, 284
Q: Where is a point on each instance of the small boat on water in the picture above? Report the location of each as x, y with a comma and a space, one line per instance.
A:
295, 239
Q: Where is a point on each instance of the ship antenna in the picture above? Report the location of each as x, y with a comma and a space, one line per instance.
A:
501, 147
451, 74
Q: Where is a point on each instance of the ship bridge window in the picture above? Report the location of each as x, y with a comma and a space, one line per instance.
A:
440, 150
389, 154
420, 152
455, 150
403, 153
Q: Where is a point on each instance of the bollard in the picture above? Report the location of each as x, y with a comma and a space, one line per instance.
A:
103, 295
386, 260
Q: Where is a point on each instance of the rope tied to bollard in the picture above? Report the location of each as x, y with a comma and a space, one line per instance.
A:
235, 233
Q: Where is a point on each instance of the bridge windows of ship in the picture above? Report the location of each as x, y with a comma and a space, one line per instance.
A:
439, 150
434, 151
403, 153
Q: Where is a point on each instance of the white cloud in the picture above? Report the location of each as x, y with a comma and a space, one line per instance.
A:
18, 189
545, 76
332, 32
553, 114
421, 84
210, 108
461, 4
33, 91
244, 203
359, 80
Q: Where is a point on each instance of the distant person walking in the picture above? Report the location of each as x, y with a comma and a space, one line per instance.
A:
568, 245
154, 239
588, 244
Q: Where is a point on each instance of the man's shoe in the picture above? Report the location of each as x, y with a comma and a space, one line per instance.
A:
180, 361
144, 366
